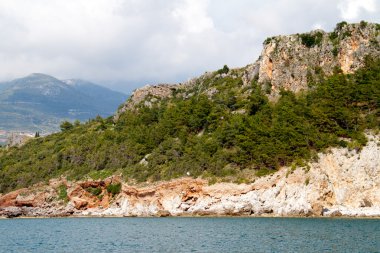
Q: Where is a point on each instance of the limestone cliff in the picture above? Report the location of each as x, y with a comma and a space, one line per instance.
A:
289, 62
342, 182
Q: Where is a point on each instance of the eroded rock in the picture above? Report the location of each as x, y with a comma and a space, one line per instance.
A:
342, 182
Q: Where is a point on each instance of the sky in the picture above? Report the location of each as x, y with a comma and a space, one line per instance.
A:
125, 44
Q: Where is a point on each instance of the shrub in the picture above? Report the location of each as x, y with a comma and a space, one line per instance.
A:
335, 51
268, 40
346, 34
94, 190
223, 70
62, 193
76, 123
340, 25
311, 40
114, 189
333, 36
363, 24
66, 125
343, 143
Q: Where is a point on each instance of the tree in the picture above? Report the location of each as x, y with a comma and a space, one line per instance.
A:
76, 123
66, 125
224, 70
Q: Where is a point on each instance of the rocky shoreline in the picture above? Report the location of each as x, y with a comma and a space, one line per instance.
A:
342, 183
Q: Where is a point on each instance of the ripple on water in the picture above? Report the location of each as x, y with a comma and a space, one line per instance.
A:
190, 235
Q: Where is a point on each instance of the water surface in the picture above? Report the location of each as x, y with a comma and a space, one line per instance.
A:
189, 235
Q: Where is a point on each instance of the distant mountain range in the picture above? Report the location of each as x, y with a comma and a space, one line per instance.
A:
39, 102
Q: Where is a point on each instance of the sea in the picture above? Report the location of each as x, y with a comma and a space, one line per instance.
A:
190, 235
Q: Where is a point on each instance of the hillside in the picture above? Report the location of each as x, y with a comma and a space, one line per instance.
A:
342, 182
40, 102
297, 100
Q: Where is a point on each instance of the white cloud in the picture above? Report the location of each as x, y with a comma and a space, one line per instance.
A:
350, 9
193, 16
136, 41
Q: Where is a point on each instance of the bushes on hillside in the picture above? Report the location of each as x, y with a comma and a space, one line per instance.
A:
216, 136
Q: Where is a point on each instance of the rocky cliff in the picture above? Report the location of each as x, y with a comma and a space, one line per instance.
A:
342, 182
290, 62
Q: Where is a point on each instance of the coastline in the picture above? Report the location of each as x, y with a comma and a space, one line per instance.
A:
342, 183
196, 216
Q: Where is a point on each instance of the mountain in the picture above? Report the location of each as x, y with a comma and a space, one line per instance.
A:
298, 128
109, 99
40, 102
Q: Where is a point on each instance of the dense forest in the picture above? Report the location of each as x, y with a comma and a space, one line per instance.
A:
235, 133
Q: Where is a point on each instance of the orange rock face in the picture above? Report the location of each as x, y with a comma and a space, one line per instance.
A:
23, 198
77, 193
10, 198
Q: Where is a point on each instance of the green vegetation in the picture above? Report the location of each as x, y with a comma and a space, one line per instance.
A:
114, 189
94, 190
363, 24
66, 125
224, 70
333, 36
338, 34
62, 193
311, 40
234, 129
335, 51
268, 40
340, 26
99, 174
264, 171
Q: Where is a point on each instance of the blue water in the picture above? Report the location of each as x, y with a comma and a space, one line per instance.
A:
189, 235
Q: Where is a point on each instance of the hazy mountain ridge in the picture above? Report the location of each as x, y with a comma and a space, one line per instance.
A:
39, 102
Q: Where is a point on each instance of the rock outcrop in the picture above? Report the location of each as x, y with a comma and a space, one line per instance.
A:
289, 62
150, 94
342, 182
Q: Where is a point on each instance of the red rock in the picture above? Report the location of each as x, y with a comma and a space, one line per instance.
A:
79, 203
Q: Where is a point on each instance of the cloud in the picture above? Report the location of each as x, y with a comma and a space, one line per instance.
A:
193, 17
127, 43
350, 9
